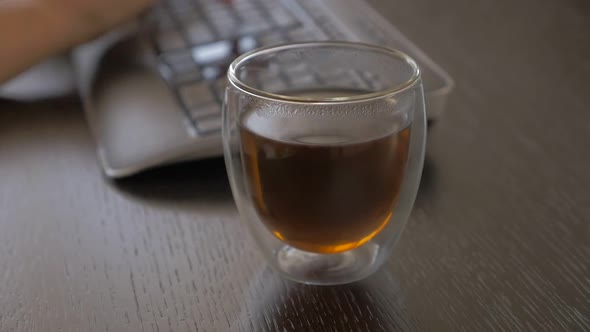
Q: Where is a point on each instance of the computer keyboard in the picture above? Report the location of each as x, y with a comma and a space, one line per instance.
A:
196, 40
153, 95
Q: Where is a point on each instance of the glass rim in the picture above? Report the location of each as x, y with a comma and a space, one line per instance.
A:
389, 91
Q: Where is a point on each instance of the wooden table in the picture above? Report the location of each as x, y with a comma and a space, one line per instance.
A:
499, 239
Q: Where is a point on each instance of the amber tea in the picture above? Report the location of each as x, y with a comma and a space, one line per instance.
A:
323, 190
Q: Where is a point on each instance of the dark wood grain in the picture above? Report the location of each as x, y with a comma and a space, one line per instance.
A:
499, 239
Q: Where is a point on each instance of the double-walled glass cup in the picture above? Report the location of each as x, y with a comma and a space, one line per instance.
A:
324, 147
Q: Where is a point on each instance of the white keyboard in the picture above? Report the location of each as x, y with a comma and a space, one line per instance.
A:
155, 98
196, 40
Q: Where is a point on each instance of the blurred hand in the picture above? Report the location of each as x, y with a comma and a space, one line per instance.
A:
32, 30
89, 18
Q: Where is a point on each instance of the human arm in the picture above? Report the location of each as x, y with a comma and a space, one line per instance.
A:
31, 30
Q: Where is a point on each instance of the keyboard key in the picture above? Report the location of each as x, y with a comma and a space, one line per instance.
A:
253, 28
283, 18
253, 22
330, 30
247, 44
216, 52
351, 80
187, 77
180, 6
180, 16
160, 20
220, 14
280, 14
241, 6
182, 67
271, 38
211, 73
301, 34
276, 85
165, 71
170, 40
295, 68
372, 80
203, 112
195, 94
251, 14
210, 7
181, 59
303, 80
209, 125
198, 32
226, 28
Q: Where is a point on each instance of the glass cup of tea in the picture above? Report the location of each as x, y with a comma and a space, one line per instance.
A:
324, 148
